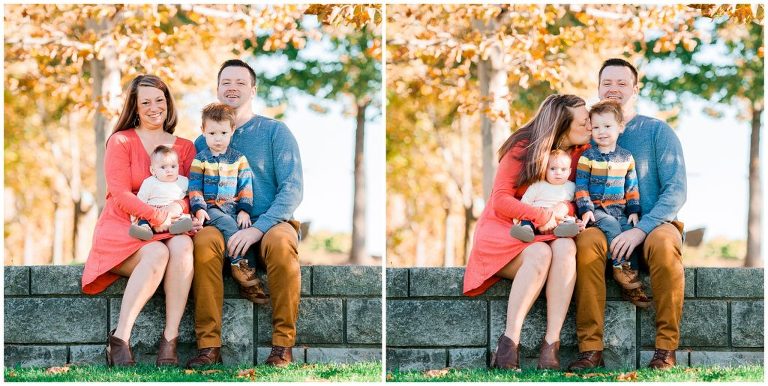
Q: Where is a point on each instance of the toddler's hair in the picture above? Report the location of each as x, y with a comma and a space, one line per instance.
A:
164, 151
608, 106
219, 112
558, 153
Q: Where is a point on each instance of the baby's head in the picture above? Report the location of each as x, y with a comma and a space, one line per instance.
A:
607, 123
558, 167
165, 164
218, 126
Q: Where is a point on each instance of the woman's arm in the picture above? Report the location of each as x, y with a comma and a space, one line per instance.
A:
117, 170
504, 188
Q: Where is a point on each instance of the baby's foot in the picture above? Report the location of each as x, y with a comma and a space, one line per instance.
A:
182, 225
567, 229
141, 232
522, 233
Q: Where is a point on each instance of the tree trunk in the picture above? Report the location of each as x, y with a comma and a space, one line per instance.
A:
106, 94
754, 219
466, 188
421, 256
59, 221
449, 255
493, 88
357, 254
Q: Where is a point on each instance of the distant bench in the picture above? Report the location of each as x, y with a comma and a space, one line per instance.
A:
430, 325
48, 321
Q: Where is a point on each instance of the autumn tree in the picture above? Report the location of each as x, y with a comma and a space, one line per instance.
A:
733, 78
352, 76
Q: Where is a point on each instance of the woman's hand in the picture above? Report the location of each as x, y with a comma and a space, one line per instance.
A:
163, 212
551, 224
174, 210
560, 211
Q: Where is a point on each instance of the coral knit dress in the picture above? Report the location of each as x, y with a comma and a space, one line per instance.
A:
126, 165
493, 247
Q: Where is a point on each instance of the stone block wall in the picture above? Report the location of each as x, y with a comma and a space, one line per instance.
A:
48, 321
431, 325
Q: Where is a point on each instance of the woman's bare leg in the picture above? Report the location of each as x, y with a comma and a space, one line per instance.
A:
144, 270
560, 283
529, 271
178, 280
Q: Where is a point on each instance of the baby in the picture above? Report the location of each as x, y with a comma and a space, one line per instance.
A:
221, 191
553, 189
161, 189
607, 192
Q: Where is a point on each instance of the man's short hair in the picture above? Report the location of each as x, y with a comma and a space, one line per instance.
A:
237, 63
219, 112
608, 106
617, 62
164, 151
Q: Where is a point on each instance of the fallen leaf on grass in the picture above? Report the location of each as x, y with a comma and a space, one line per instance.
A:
591, 375
213, 371
630, 376
247, 373
571, 375
11, 374
691, 370
189, 371
389, 377
436, 373
57, 370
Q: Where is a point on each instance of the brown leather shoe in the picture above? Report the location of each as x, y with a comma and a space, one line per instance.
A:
244, 274
626, 277
637, 297
280, 356
587, 360
549, 356
118, 351
507, 355
255, 294
663, 359
205, 357
166, 352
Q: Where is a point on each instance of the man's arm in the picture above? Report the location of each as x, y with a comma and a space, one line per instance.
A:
673, 183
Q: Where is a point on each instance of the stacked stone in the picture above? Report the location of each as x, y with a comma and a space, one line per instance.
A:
431, 325
48, 321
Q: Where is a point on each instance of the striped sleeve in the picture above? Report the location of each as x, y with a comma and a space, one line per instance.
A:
196, 200
583, 173
631, 191
244, 193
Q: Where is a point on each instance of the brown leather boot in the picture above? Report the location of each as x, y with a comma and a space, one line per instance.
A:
166, 352
507, 355
280, 356
205, 357
118, 351
244, 274
255, 294
626, 277
637, 297
663, 359
549, 356
587, 360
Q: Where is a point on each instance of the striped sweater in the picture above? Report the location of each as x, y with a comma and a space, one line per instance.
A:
223, 181
607, 180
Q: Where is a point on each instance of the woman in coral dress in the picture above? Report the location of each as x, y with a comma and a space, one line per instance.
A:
561, 122
148, 120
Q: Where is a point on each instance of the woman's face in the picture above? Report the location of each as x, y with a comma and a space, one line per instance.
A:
151, 106
580, 131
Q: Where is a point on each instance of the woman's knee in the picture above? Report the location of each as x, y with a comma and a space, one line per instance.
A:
538, 256
563, 252
156, 255
180, 248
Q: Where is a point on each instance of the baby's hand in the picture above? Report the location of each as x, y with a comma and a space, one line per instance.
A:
587, 217
201, 215
243, 219
632, 219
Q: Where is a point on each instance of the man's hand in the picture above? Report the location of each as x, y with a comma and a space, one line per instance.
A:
243, 219
587, 217
242, 240
626, 242
632, 219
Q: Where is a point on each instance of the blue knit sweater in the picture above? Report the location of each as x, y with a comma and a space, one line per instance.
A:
223, 180
273, 155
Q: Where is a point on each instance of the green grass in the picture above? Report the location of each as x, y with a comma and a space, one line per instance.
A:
358, 372
678, 374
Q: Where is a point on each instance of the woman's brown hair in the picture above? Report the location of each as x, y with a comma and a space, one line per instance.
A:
129, 117
548, 127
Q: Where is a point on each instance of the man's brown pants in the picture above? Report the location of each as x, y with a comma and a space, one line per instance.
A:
662, 253
278, 251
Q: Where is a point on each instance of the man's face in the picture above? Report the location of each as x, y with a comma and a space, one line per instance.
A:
617, 83
235, 87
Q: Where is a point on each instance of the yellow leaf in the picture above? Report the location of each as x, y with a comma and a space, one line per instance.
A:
212, 371
57, 370
189, 371
630, 376
436, 373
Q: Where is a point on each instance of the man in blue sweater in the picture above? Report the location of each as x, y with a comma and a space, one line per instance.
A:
662, 184
272, 239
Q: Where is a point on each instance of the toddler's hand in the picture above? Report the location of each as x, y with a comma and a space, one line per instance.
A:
632, 219
201, 215
582, 225
243, 219
587, 217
